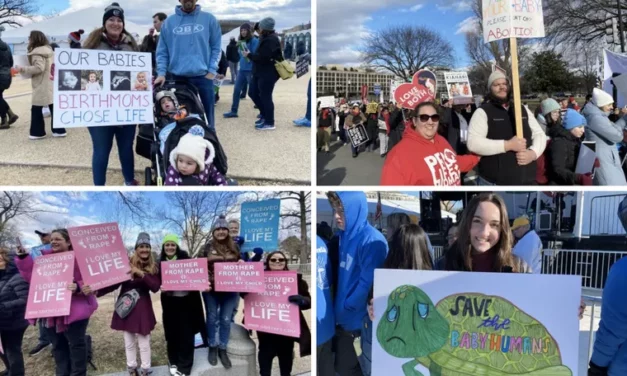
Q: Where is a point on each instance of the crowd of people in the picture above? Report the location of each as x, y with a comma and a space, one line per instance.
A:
251, 59
482, 241
454, 144
183, 316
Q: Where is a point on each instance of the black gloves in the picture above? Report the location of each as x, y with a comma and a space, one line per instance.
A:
595, 370
298, 300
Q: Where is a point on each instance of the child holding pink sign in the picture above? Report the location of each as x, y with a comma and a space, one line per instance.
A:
140, 321
66, 333
183, 316
271, 345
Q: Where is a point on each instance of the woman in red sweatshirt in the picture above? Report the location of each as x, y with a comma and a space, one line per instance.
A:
423, 157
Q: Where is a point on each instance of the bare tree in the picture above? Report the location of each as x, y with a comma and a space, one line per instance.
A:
582, 59
13, 205
580, 20
404, 50
193, 213
299, 218
11, 10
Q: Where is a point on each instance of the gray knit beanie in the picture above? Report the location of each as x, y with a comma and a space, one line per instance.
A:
142, 238
220, 223
267, 23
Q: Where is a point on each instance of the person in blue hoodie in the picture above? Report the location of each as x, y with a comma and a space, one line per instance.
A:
362, 249
190, 50
324, 310
609, 357
245, 75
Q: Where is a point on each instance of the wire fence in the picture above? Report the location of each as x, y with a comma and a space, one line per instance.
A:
592, 266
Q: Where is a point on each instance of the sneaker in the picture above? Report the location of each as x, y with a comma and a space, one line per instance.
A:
230, 115
303, 123
36, 137
174, 371
213, 356
265, 127
224, 359
259, 122
133, 183
299, 120
39, 348
59, 134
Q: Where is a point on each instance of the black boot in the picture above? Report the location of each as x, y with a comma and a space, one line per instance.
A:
213, 356
224, 359
4, 124
12, 117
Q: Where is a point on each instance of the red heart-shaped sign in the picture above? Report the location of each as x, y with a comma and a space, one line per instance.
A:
421, 89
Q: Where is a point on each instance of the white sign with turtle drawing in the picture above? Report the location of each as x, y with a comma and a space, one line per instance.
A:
460, 323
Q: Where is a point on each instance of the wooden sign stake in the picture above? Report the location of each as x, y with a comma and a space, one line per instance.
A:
513, 46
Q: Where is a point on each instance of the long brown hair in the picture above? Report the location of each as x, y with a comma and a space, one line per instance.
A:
409, 249
459, 256
37, 39
223, 247
148, 267
95, 38
4, 255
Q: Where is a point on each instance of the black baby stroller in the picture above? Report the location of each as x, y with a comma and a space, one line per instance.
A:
148, 143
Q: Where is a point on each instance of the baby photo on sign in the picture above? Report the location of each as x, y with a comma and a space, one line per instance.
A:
140, 81
69, 80
91, 80
120, 81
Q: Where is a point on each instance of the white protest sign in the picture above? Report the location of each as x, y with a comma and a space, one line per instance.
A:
461, 323
393, 85
99, 88
458, 87
587, 157
504, 19
327, 102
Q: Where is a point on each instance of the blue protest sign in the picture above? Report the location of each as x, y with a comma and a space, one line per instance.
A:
260, 225
36, 251
377, 89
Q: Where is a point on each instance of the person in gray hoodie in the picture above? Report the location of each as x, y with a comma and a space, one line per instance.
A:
606, 135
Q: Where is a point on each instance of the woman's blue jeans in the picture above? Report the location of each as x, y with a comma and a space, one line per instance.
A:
102, 140
220, 307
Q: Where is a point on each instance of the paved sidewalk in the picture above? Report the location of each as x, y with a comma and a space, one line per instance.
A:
338, 167
282, 155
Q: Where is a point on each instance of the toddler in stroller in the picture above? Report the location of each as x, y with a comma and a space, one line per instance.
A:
191, 163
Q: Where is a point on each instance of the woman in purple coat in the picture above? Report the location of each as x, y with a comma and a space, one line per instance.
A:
66, 333
140, 322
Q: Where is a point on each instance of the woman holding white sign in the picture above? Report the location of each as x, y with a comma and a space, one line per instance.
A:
40, 58
275, 345
112, 36
183, 316
220, 306
137, 319
13, 298
67, 333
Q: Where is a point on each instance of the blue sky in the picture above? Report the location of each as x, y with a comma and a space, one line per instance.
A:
45, 7
341, 26
70, 209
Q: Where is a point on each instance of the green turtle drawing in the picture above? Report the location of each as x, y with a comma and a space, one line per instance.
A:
466, 334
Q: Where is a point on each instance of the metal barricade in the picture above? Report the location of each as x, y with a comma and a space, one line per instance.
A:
438, 251
594, 302
592, 266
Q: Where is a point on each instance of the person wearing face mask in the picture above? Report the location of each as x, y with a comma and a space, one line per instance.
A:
220, 306
564, 151
183, 315
112, 36
275, 345
141, 321
606, 134
66, 333
551, 115
13, 298
506, 159
362, 249
355, 118
423, 157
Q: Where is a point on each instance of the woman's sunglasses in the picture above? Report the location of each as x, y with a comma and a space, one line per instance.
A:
277, 260
425, 118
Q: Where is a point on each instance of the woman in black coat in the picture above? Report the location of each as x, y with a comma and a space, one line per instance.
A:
13, 298
183, 315
7, 117
564, 151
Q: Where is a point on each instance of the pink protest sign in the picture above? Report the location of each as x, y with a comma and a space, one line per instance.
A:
48, 295
1, 349
270, 311
184, 275
100, 254
239, 277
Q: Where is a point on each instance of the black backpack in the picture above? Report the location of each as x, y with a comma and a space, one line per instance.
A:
90, 352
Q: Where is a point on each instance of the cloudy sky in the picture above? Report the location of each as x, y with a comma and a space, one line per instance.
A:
341, 25
287, 13
61, 209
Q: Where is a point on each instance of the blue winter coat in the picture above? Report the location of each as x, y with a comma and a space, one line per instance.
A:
362, 249
324, 304
606, 135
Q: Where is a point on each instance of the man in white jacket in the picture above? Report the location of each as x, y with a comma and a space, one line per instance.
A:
528, 246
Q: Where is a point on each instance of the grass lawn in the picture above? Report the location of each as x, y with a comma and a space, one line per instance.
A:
108, 344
